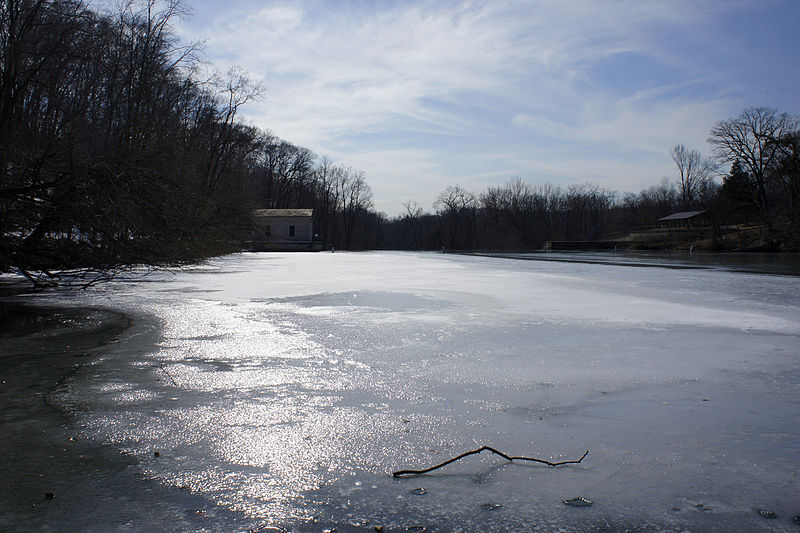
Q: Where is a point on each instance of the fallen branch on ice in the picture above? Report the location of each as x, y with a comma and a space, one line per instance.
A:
487, 448
164, 369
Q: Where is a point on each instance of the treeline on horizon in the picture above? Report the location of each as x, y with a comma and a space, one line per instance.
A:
118, 148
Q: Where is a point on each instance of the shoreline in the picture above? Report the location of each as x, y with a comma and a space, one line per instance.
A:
740, 262
54, 474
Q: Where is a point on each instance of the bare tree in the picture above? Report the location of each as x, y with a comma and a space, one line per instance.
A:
230, 138
323, 192
412, 215
747, 139
356, 198
786, 173
694, 173
457, 207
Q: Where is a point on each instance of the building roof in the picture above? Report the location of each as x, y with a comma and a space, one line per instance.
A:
282, 212
681, 216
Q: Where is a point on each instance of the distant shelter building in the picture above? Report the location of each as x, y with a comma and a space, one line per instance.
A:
685, 219
282, 230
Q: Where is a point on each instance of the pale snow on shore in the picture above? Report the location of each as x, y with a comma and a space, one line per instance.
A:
290, 386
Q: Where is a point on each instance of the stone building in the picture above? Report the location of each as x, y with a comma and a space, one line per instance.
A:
282, 230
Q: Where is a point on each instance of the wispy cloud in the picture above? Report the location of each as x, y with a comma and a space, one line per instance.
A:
429, 85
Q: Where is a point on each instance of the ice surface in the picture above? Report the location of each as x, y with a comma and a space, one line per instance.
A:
290, 386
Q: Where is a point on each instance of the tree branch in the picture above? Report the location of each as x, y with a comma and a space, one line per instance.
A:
164, 369
400, 473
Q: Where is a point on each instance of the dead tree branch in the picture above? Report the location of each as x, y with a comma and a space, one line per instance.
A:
37, 280
164, 369
400, 473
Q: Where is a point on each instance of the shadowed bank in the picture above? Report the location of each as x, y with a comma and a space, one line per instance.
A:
55, 477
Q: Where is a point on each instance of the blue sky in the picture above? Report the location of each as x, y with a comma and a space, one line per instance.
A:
425, 94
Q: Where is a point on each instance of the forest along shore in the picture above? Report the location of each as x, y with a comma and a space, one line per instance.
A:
52, 474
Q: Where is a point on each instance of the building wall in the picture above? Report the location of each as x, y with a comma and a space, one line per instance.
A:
278, 229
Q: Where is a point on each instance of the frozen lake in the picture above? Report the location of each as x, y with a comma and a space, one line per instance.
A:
284, 389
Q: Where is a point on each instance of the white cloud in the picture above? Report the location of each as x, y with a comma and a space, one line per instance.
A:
366, 69
407, 175
415, 88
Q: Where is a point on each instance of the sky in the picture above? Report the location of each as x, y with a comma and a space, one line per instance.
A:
422, 94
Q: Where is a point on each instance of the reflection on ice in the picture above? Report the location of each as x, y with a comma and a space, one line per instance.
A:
291, 385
